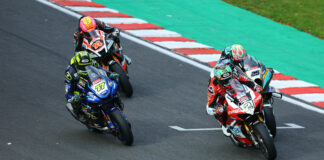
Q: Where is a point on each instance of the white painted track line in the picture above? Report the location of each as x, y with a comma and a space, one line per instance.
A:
289, 126
153, 33
311, 97
175, 45
91, 9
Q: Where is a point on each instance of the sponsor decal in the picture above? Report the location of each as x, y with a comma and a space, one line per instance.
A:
96, 81
68, 76
243, 99
236, 130
255, 73
234, 111
211, 90
82, 83
258, 98
247, 105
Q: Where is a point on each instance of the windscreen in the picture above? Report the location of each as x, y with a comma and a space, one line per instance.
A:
250, 63
94, 34
237, 91
93, 73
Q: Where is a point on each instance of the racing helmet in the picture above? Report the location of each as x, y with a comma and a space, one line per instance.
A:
87, 24
238, 55
223, 74
82, 59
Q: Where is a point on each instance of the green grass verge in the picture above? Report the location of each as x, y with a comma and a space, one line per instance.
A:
305, 15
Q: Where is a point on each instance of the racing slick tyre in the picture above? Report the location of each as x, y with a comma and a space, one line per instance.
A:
270, 121
266, 144
124, 132
123, 79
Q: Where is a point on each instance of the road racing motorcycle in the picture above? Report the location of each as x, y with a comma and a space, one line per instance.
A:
103, 49
245, 119
261, 75
98, 93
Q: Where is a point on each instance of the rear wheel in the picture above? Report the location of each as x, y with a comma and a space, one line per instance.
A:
266, 143
123, 79
270, 121
124, 132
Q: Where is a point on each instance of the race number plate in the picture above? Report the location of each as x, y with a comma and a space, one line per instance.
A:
99, 87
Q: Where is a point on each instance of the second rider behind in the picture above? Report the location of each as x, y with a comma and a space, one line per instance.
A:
88, 24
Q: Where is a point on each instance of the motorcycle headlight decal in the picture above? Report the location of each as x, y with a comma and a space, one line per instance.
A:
91, 96
255, 73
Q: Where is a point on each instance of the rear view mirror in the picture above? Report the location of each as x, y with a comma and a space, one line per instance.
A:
277, 94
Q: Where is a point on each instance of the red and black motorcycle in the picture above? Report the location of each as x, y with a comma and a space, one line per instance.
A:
104, 50
245, 120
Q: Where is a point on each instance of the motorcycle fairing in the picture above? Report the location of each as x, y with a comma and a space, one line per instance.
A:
267, 76
96, 44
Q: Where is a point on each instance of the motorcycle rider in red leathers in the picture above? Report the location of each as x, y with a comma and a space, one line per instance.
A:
219, 83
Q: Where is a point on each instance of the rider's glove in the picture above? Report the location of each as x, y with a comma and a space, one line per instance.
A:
210, 111
114, 76
115, 33
76, 35
128, 60
219, 109
75, 98
258, 88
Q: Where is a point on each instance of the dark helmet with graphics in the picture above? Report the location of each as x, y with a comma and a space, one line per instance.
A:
223, 74
82, 59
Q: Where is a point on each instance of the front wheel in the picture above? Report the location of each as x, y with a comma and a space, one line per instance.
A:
124, 132
123, 79
266, 143
270, 121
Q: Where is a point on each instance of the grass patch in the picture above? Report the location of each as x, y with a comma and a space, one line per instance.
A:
304, 15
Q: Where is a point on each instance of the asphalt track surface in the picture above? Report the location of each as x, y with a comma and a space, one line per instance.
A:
36, 45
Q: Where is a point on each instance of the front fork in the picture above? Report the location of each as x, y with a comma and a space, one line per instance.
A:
108, 120
250, 131
110, 124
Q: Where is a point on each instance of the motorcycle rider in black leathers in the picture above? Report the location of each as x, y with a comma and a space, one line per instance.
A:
76, 78
88, 24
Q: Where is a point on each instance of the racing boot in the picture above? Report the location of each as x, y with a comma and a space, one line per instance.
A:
100, 127
226, 130
99, 124
222, 117
122, 56
128, 60
75, 112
